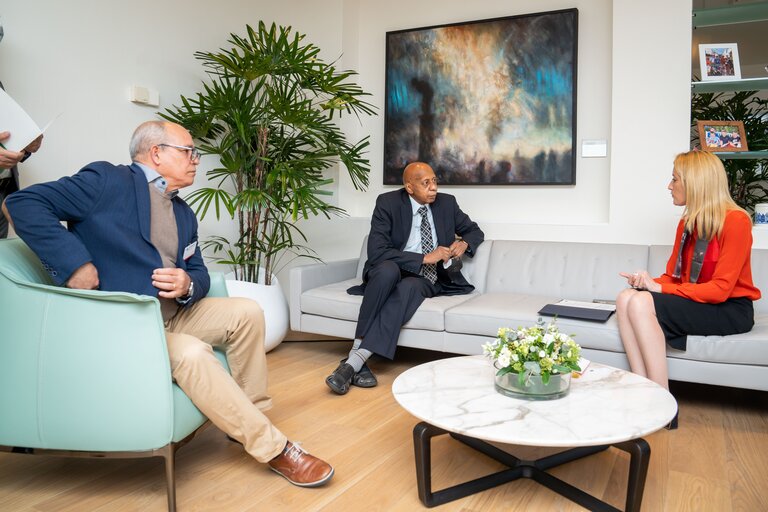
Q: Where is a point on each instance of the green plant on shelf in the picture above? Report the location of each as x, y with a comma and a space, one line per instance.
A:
747, 178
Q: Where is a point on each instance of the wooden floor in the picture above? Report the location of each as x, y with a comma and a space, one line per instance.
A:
716, 461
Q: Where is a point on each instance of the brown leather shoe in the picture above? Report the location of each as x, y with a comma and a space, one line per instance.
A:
300, 468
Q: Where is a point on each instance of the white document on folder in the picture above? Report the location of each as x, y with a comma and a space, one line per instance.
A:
14, 119
586, 305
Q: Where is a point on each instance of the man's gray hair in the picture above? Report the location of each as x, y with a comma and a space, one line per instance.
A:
148, 134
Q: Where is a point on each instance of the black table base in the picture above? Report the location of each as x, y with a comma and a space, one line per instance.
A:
640, 454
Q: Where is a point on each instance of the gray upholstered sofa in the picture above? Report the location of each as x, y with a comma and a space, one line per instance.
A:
513, 280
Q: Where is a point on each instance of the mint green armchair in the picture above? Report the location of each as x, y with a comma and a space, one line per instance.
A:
85, 373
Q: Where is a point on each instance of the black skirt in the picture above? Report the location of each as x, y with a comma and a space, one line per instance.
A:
679, 317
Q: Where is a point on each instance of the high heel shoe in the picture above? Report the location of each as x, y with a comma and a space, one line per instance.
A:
672, 425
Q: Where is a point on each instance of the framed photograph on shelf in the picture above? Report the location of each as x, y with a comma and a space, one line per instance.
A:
719, 61
720, 136
489, 102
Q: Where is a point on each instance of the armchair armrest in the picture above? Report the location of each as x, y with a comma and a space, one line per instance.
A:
307, 277
218, 285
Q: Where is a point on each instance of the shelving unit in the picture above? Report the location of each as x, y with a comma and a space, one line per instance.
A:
742, 155
731, 15
745, 84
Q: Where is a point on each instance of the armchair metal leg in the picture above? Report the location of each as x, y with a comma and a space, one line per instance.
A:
167, 452
169, 455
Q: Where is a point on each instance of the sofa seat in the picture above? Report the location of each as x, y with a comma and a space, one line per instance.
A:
333, 301
485, 314
747, 348
513, 279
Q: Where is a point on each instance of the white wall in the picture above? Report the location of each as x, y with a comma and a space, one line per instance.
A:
80, 57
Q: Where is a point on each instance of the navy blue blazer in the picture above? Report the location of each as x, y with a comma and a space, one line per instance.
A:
107, 211
391, 226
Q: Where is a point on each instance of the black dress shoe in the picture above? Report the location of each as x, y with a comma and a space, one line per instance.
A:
364, 378
340, 379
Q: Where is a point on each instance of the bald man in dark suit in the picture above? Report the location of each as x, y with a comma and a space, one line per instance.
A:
417, 239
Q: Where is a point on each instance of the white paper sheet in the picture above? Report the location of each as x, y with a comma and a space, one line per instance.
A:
14, 119
586, 305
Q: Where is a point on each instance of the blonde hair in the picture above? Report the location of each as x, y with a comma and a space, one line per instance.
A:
707, 198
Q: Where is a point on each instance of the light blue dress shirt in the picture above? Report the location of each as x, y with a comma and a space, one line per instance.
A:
414, 239
155, 178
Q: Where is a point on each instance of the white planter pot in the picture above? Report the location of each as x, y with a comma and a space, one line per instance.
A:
272, 301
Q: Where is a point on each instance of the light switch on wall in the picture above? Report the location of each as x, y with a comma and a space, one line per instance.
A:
594, 148
144, 96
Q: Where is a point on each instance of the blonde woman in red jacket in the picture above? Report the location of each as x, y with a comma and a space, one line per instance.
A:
707, 288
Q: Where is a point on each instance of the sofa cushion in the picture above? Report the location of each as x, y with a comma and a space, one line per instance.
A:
658, 255
485, 314
563, 270
363, 259
333, 301
748, 348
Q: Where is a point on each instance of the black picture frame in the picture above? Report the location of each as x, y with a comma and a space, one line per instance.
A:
488, 102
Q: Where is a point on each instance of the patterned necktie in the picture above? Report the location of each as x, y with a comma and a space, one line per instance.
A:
427, 245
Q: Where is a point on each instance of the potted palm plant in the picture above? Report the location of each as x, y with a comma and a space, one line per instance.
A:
269, 112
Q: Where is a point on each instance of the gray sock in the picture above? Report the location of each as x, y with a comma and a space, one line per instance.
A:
358, 357
356, 344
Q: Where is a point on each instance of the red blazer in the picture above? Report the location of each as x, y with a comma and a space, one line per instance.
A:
732, 275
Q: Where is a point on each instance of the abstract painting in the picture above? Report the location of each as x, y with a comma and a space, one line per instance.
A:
489, 102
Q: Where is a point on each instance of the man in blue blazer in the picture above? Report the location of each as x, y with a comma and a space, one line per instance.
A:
128, 230
417, 239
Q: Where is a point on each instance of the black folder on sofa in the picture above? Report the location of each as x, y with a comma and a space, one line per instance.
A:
580, 313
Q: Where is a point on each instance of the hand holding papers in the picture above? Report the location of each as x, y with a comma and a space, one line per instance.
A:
580, 310
15, 120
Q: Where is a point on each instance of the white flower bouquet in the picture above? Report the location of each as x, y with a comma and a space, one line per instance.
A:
539, 350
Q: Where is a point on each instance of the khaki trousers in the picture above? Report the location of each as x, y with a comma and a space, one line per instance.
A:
232, 402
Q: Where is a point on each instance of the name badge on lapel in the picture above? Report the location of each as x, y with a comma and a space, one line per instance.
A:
189, 251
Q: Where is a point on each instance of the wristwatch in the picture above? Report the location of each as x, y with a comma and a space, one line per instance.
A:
188, 297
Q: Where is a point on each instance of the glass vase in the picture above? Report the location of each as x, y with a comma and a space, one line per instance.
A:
533, 388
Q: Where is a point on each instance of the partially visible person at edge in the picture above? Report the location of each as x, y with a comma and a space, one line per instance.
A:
415, 245
707, 288
128, 230
9, 173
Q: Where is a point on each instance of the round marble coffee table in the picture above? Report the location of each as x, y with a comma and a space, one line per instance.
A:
605, 407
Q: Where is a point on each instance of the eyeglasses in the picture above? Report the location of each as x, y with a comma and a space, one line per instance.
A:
194, 153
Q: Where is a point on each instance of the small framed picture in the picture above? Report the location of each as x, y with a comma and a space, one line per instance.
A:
719, 61
722, 136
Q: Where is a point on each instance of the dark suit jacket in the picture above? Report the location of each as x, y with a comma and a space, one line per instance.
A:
107, 211
391, 226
